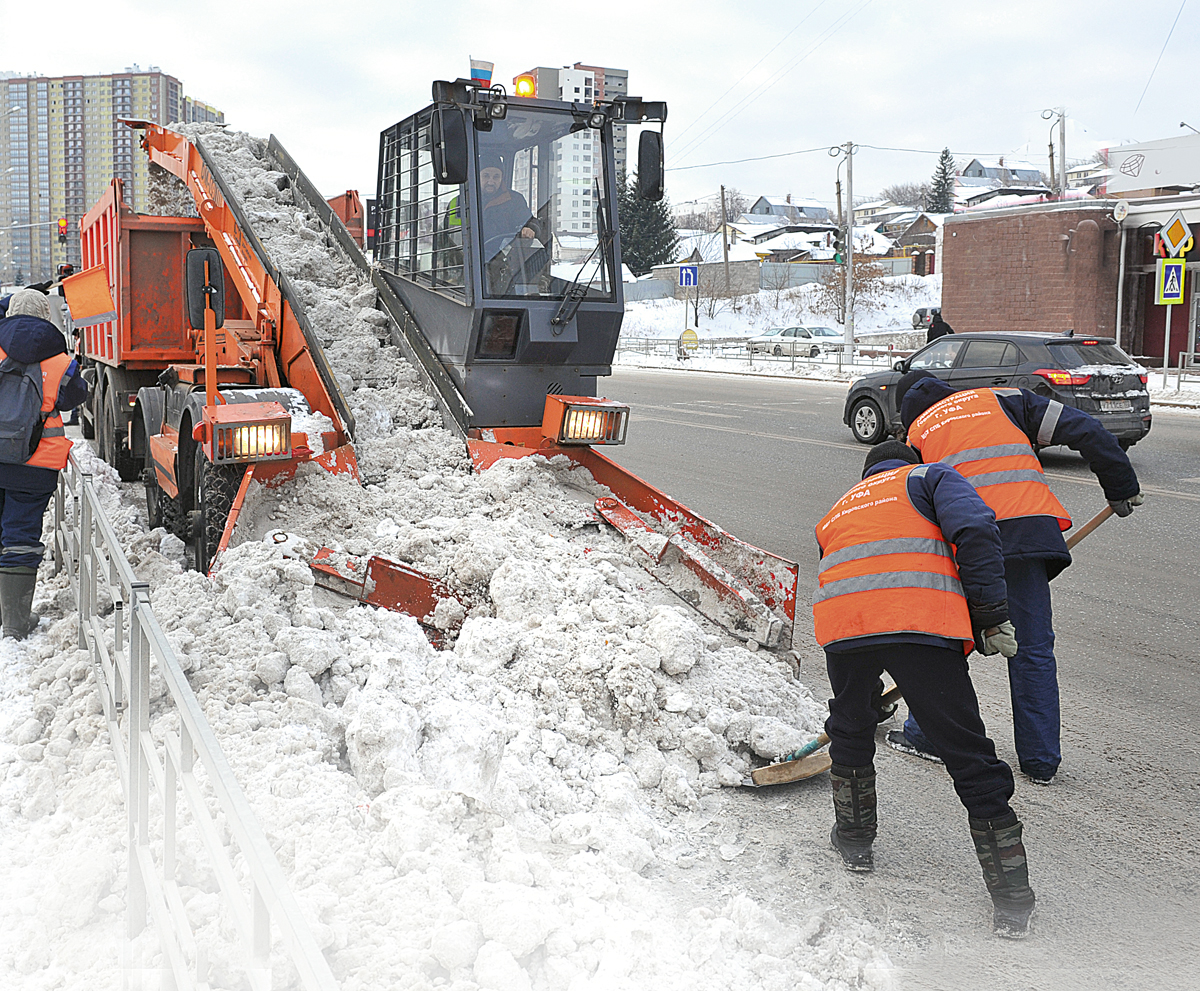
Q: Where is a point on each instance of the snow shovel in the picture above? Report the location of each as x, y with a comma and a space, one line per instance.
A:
807, 763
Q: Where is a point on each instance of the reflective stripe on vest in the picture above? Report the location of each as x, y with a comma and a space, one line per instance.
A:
885, 568
971, 432
55, 446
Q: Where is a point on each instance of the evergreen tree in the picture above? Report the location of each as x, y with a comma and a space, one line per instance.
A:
941, 193
648, 235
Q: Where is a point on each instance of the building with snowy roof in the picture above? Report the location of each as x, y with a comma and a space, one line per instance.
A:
1007, 172
795, 210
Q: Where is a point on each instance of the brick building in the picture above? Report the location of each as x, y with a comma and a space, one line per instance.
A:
1053, 267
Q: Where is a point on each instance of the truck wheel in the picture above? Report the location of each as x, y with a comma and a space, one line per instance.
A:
214, 489
119, 455
866, 422
87, 425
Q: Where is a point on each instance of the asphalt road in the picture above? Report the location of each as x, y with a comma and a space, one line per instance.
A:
1112, 844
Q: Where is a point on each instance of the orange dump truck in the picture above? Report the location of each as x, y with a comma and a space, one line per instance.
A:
208, 359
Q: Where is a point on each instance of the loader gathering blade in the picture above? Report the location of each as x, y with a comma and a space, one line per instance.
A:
695, 577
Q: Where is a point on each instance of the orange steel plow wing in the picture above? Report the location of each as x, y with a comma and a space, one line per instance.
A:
749, 591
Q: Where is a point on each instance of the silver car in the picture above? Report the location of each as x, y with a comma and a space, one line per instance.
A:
810, 341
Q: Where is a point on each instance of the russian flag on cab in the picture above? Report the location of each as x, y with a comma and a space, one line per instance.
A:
481, 72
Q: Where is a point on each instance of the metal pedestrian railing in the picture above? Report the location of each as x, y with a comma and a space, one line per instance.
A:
737, 355
124, 644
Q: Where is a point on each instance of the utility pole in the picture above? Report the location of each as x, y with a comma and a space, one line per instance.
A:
849, 325
725, 238
1062, 155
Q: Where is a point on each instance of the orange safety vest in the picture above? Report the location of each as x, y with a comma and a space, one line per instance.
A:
885, 568
971, 432
55, 446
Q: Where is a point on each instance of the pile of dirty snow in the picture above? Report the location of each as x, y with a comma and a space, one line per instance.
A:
508, 813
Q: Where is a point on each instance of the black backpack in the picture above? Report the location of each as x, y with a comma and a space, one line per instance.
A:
21, 418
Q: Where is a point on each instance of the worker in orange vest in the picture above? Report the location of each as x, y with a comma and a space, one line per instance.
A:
911, 581
988, 435
38, 378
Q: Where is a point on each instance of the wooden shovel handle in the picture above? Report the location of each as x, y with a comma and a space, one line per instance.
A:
1089, 526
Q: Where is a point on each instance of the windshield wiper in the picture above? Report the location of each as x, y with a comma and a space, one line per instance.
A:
576, 293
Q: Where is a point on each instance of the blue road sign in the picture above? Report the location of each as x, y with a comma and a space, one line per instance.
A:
689, 275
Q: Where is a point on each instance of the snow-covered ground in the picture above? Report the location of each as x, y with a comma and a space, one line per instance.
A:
885, 307
508, 813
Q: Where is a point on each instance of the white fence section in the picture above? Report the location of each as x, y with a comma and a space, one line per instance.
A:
125, 643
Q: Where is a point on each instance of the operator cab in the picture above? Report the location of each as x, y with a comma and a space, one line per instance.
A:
497, 229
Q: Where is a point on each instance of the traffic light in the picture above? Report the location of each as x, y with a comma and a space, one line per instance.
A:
839, 246
62, 230
525, 85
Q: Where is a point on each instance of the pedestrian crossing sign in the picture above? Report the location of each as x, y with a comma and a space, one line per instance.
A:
1168, 287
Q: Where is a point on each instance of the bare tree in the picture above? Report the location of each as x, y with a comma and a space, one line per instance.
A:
912, 194
736, 202
708, 217
776, 279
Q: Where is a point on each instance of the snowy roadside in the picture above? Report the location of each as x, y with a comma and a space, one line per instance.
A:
508, 813
887, 310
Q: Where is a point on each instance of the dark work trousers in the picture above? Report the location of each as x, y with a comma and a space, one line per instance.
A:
1032, 674
938, 689
21, 513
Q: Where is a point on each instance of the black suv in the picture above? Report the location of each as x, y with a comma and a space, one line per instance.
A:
1090, 373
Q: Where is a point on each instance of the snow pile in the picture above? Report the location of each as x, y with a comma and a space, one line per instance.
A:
507, 813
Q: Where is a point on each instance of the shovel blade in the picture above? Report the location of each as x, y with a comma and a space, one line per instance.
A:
792, 770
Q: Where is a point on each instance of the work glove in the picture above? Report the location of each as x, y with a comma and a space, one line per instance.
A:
1000, 639
1123, 507
882, 712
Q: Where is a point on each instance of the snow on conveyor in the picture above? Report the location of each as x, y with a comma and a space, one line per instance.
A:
512, 813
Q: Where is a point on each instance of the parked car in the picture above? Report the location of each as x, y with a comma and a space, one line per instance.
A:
924, 317
810, 341
1091, 374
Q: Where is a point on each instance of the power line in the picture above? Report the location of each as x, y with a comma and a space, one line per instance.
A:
738, 82
1159, 59
739, 161
829, 32
809, 151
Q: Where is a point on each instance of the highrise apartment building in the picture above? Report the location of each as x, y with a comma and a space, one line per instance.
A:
61, 144
577, 166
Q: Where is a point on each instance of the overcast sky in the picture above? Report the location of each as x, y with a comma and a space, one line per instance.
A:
742, 80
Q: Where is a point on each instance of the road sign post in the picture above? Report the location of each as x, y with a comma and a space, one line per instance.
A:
689, 275
1176, 237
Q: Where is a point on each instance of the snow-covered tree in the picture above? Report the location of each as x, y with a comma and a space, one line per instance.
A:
648, 236
941, 191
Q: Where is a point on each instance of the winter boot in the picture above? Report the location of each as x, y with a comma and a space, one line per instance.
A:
854, 808
1005, 872
16, 601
